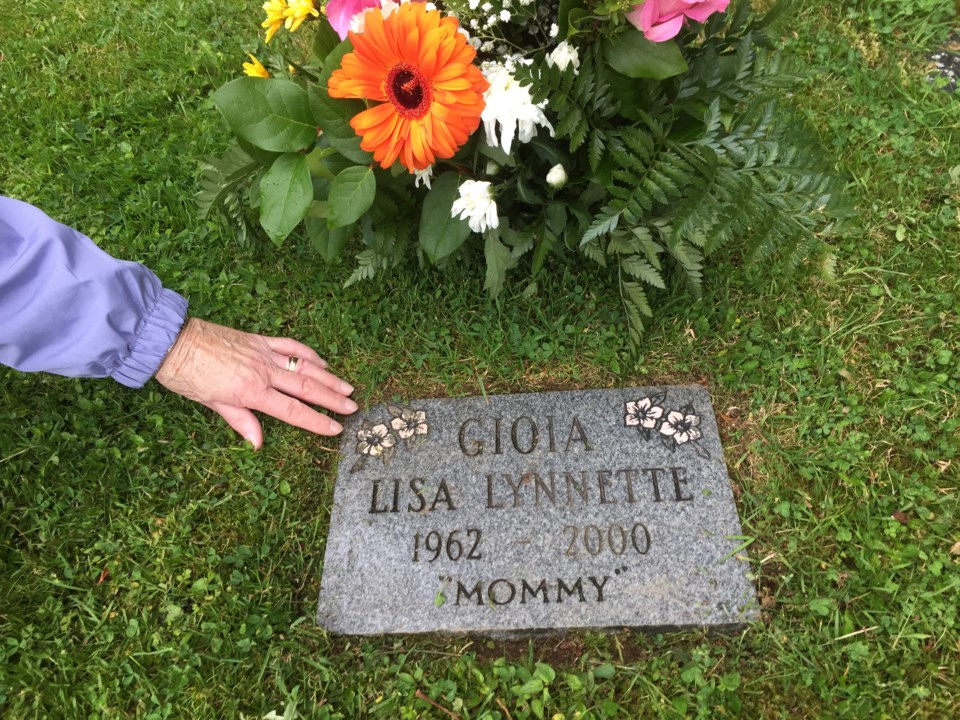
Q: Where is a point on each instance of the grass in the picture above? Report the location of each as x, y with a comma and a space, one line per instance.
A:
154, 567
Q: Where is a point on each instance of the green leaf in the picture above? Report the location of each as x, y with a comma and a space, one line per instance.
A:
565, 7
604, 672
821, 606
325, 38
497, 154
639, 268
325, 162
264, 157
527, 192
574, 17
546, 244
441, 234
633, 55
605, 223
317, 166
623, 243
548, 151
556, 217
222, 179
333, 115
173, 613
635, 296
499, 260
272, 114
329, 242
593, 251
545, 673
285, 195
351, 195
530, 687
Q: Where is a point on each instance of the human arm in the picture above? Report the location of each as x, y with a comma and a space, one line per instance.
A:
67, 307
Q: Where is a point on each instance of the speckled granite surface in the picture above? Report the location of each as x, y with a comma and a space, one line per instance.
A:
524, 514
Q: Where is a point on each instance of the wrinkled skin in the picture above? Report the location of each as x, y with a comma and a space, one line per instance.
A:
233, 373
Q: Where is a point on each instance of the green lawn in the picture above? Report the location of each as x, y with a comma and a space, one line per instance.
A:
152, 566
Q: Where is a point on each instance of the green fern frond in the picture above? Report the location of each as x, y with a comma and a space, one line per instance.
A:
222, 184
221, 176
605, 223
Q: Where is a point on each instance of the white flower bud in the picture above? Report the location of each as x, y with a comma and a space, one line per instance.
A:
557, 177
492, 168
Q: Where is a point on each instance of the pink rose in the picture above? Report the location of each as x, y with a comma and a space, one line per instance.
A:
661, 20
341, 12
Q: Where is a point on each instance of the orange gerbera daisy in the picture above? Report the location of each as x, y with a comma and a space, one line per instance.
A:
420, 68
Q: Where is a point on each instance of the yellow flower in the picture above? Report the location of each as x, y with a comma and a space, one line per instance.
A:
298, 11
255, 69
276, 16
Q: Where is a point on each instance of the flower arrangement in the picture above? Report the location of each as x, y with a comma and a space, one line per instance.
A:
639, 135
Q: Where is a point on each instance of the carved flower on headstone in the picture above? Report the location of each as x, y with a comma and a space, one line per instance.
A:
642, 413
382, 439
682, 426
408, 422
673, 428
375, 440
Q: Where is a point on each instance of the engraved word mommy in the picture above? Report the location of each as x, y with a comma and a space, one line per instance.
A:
535, 512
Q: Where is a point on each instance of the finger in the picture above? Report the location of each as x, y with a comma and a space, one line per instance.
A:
292, 411
321, 375
316, 392
289, 346
241, 420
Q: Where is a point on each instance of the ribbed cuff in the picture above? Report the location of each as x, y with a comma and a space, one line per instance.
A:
155, 337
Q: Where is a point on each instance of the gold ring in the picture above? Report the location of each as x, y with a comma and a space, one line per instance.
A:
293, 362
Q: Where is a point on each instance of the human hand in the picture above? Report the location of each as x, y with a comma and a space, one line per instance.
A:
233, 372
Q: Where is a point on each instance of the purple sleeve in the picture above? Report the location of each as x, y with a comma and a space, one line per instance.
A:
67, 307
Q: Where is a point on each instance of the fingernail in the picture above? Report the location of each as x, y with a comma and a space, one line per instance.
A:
335, 427
351, 406
346, 388
252, 440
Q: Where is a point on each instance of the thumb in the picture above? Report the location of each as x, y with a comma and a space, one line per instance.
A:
241, 420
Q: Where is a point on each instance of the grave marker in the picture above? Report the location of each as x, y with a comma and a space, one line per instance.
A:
520, 514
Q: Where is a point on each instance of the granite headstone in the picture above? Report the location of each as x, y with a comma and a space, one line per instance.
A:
522, 514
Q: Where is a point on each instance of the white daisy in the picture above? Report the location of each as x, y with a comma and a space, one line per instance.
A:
509, 105
476, 205
563, 55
